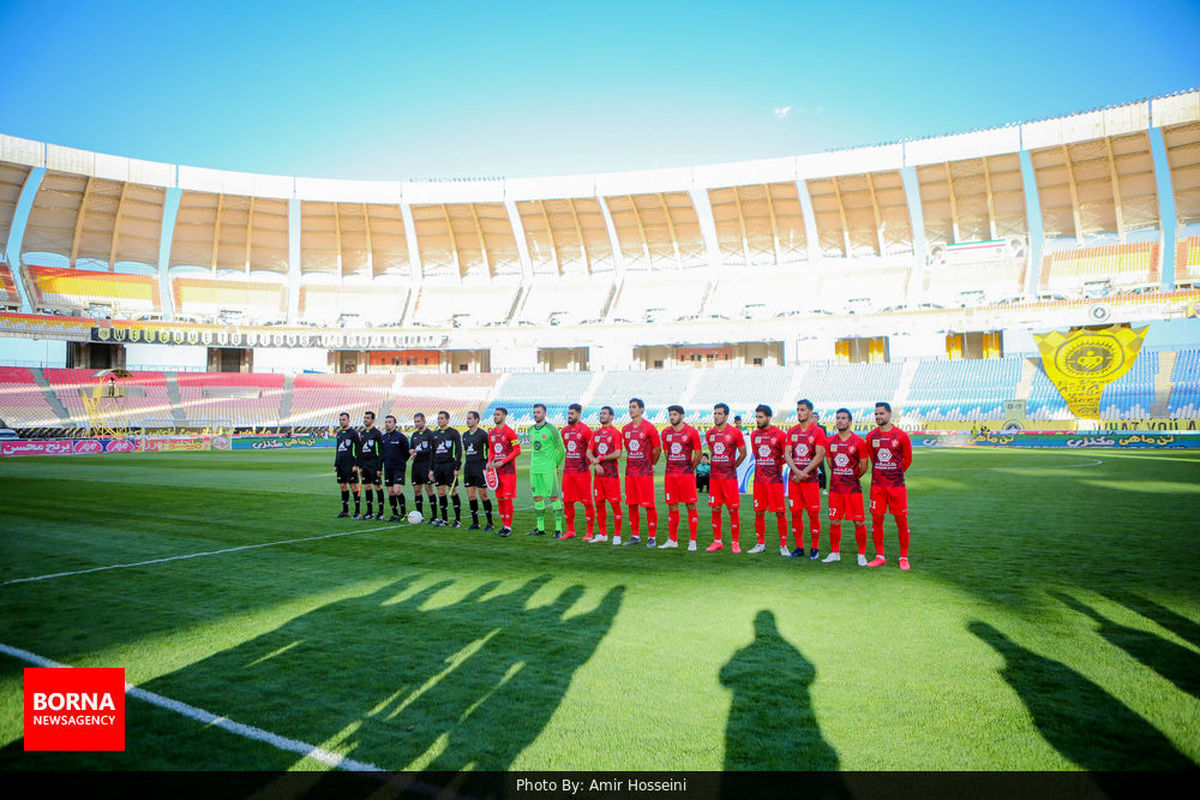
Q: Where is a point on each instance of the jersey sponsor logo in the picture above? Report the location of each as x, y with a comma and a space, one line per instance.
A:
802, 450
885, 456
634, 445
718, 448
572, 446
499, 447
602, 448
841, 459
764, 450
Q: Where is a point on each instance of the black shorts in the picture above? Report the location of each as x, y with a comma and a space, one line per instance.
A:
420, 473
443, 474
473, 475
393, 476
370, 473
345, 472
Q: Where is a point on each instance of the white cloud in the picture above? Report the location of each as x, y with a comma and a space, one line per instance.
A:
783, 111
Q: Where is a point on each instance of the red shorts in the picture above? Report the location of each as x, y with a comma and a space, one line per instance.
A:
846, 506
806, 494
607, 488
889, 498
680, 487
768, 496
507, 488
639, 490
577, 487
723, 492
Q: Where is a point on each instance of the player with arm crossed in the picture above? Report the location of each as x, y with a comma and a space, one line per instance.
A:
728, 448
421, 445
395, 459
577, 475
345, 464
503, 449
805, 453
769, 443
681, 443
475, 456
547, 446
447, 463
370, 462
891, 455
848, 461
603, 454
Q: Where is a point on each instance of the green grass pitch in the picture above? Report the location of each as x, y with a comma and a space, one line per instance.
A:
1051, 621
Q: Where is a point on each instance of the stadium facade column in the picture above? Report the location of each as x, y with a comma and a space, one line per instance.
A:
810, 220
293, 270
1168, 220
414, 255
916, 218
618, 258
16, 234
708, 227
518, 229
166, 240
1033, 220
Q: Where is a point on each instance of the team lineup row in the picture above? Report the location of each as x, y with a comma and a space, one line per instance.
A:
579, 464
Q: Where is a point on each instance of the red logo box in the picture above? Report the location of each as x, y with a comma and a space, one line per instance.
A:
74, 709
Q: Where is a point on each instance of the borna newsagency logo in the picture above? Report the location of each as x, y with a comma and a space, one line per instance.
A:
74, 709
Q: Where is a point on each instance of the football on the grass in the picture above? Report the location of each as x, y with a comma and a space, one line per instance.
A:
415, 518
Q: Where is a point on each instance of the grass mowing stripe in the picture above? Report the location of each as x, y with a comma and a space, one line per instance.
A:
304, 749
193, 555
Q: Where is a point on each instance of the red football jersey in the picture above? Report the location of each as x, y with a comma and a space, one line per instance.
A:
640, 440
804, 442
679, 446
768, 444
576, 439
845, 455
502, 441
723, 445
891, 454
607, 439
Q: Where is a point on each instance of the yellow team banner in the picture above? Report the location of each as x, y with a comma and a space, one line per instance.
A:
1082, 361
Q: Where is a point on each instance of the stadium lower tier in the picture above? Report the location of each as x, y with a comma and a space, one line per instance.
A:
1161, 384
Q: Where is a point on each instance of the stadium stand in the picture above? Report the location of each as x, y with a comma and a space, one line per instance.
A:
557, 390
855, 386
456, 393
22, 403
1132, 395
207, 298
565, 302
1045, 402
318, 399
77, 289
376, 305
1187, 261
245, 398
963, 389
1185, 390
145, 395
658, 388
742, 388
659, 297
443, 306
860, 284
1121, 266
8, 287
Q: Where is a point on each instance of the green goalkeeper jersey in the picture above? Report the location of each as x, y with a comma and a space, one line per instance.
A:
548, 451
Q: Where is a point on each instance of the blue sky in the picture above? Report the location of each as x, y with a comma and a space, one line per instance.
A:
414, 90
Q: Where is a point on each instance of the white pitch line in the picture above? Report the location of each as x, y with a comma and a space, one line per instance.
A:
326, 757
194, 555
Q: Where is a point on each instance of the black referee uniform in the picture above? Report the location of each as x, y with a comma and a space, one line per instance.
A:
395, 459
475, 453
447, 460
345, 459
370, 467
421, 450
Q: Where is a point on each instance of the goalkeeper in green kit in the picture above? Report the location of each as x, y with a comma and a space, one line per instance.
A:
548, 454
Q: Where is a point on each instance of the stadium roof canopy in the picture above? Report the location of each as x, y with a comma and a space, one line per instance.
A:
1094, 172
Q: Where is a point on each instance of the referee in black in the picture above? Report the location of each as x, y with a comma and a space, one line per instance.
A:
447, 461
421, 451
395, 459
345, 464
370, 462
475, 456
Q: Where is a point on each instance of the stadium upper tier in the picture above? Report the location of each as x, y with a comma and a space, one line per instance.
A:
1161, 383
837, 230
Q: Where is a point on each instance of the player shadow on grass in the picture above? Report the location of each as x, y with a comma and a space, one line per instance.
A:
1077, 717
387, 680
1176, 623
1178, 664
771, 723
